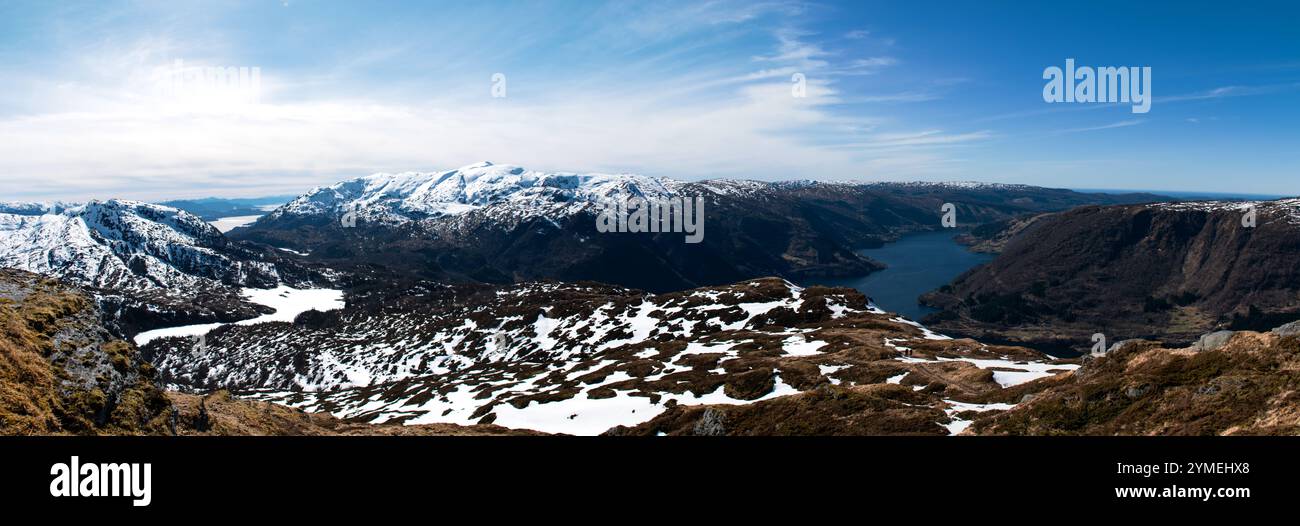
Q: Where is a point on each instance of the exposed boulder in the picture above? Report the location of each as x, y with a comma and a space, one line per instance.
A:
1213, 340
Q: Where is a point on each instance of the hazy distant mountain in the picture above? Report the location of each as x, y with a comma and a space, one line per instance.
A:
214, 208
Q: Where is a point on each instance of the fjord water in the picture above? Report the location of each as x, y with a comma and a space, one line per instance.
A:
918, 263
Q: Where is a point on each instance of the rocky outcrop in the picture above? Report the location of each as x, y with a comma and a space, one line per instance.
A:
1247, 383
63, 371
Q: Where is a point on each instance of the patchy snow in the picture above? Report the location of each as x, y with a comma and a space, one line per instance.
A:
581, 415
956, 426
889, 342
800, 346
925, 331
1022, 371
288, 303
183, 331
828, 370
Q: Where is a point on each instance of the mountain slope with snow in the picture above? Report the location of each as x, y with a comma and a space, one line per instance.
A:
584, 358
124, 245
147, 265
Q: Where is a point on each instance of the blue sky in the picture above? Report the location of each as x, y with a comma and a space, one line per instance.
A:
895, 91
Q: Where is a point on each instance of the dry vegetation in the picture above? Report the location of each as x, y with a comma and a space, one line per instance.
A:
1250, 386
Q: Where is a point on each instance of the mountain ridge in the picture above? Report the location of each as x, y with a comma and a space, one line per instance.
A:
502, 223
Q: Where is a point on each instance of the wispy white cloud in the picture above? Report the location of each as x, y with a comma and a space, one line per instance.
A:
102, 128
925, 138
1113, 125
1231, 91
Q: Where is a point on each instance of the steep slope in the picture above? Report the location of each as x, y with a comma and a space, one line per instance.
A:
1164, 271
127, 245
146, 264
500, 224
581, 358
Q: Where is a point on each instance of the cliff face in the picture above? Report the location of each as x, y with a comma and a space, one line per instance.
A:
1168, 272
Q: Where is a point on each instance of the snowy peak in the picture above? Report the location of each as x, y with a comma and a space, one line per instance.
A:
150, 225
416, 195
952, 185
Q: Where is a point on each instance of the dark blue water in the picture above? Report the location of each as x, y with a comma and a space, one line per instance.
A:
918, 263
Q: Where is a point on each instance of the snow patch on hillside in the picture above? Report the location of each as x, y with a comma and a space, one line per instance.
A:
288, 303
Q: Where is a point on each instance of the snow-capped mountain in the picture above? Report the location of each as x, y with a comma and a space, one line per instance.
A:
125, 245
515, 192
503, 223
519, 192
147, 265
